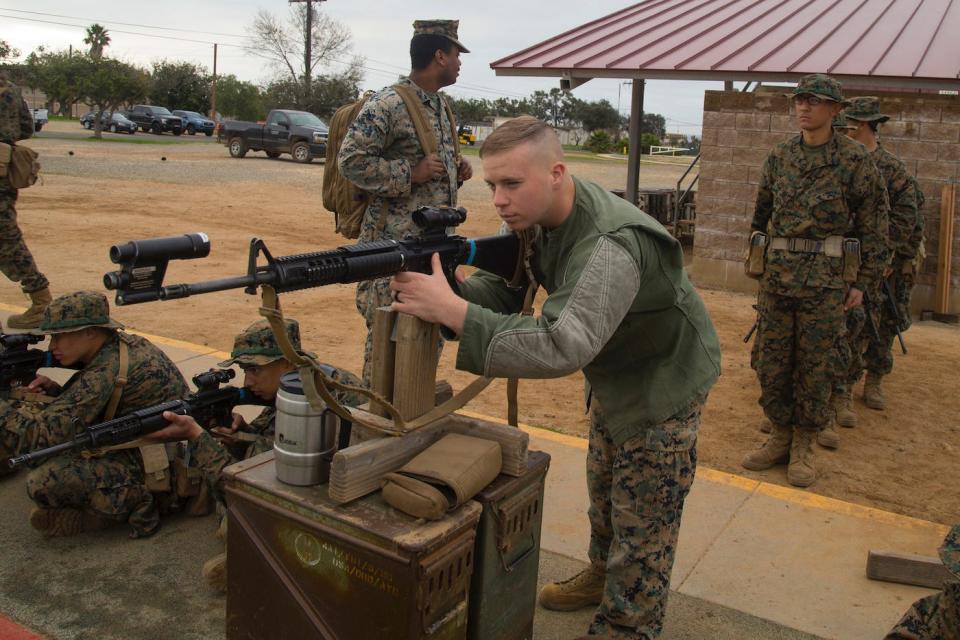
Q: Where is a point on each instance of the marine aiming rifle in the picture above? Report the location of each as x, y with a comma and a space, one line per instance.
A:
210, 405
18, 363
143, 263
894, 314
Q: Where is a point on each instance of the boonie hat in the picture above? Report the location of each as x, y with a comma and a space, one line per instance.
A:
256, 344
865, 109
820, 85
76, 311
445, 28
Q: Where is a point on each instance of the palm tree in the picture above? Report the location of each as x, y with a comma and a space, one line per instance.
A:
98, 38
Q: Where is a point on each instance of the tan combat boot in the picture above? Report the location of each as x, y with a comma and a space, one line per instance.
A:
872, 394
843, 406
828, 436
65, 522
30, 319
776, 450
214, 572
582, 590
800, 472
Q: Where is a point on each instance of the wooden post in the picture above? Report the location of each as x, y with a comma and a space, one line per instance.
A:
948, 203
383, 357
415, 371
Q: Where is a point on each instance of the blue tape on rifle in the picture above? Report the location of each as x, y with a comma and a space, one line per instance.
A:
473, 252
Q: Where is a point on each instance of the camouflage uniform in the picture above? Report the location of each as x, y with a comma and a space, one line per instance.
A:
936, 617
378, 155
110, 485
620, 307
16, 261
811, 194
256, 345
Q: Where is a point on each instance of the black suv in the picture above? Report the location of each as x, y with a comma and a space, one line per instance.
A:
155, 119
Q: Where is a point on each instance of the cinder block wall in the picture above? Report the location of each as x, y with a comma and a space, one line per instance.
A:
740, 128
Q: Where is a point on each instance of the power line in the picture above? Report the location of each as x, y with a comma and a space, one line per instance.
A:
127, 24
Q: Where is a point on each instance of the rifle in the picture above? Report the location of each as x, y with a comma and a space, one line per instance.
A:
894, 314
756, 323
18, 364
143, 263
210, 404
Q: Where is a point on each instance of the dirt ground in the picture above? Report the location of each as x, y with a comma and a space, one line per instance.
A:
902, 459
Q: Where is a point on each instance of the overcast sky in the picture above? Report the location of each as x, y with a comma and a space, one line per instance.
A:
381, 33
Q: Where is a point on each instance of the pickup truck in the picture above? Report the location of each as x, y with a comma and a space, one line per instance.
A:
155, 119
39, 118
299, 133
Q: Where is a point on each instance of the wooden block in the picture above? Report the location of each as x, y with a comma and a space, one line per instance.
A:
922, 571
513, 441
415, 370
382, 357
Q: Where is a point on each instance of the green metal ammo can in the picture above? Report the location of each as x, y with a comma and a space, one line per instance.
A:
503, 592
301, 566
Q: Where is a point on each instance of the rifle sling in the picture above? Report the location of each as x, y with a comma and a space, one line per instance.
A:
317, 385
526, 249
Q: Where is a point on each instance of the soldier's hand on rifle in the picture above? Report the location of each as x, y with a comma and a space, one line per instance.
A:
854, 299
43, 384
236, 423
465, 170
429, 297
429, 168
180, 428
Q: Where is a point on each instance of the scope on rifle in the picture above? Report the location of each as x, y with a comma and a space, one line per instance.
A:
434, 218
185, 247
12, 340
213, 378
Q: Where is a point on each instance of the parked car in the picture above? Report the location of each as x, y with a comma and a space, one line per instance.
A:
155, 119
115, 123
194, 122
299, 133
39, 118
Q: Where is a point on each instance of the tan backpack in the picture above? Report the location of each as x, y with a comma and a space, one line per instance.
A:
344, 199
18, 164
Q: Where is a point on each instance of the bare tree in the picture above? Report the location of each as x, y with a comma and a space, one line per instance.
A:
283, 43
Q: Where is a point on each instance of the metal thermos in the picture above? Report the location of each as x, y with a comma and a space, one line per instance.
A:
305, 438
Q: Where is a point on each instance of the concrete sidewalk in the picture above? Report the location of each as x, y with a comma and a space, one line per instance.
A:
755, 560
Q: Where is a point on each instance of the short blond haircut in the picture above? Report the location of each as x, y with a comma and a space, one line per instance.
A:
516, 132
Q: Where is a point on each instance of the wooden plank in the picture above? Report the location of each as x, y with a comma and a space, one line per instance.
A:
357, 470
922, 571
948, 202
415, 370
382, 357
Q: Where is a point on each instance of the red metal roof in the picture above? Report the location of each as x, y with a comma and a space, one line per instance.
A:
888, 42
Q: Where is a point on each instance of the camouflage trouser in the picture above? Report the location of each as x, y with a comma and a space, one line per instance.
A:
110, 486
878, 357
371, 295
636, 500
16, 261
860, 324
796, 356
935, 617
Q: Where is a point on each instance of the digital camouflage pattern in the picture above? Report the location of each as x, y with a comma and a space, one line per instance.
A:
16, 261
212, 456
256, 345
905, 217
637, 492
378, 155
75, 311
936, 617
109, 486
832, 190
445, 28
820, 85
865, 109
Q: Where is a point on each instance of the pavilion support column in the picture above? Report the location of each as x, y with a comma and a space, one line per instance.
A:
636, 120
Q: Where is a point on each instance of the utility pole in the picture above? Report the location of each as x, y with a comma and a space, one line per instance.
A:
213, 89
307, 50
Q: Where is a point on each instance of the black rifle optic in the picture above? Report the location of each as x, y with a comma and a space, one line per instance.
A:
210, 405
18, 364
143, 263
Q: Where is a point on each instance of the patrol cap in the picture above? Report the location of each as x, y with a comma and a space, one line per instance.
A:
76, 311
865, 109
445, 28
820, 85
950, 551
256, 345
